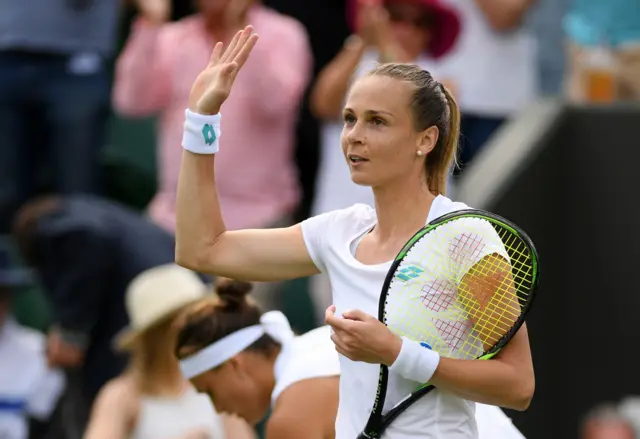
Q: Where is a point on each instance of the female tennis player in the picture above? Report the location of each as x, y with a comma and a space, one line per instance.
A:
246, 360
400, 137
152, 399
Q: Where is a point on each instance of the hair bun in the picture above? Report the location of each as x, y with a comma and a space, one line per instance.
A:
233, 293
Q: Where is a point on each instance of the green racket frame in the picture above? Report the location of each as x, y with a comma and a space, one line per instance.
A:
378, 423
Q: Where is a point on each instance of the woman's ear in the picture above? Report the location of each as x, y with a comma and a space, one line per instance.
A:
427, 140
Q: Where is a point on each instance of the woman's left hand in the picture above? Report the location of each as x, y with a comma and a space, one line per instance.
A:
361, 337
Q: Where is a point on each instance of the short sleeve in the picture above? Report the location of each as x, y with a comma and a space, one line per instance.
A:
314, 233
323, 231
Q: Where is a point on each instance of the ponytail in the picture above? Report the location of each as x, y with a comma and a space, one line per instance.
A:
432, 104
451, 142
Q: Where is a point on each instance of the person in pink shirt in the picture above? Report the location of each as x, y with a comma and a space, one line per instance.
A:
256, 176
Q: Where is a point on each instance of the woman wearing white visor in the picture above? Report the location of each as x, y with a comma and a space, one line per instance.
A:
247, 362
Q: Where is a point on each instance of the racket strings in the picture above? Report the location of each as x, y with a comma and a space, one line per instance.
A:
484, 292
495, 318
471, 278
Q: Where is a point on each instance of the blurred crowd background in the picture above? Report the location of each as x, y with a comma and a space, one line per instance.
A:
92, 99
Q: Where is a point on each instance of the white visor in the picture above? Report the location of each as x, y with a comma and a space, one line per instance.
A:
273, 323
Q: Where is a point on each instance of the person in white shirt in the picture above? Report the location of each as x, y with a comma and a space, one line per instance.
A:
238, 355
400, 138
247, 362
493, 69
30, 390
151, 399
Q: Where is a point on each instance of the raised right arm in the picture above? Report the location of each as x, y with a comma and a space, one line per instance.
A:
202, 242
328, 93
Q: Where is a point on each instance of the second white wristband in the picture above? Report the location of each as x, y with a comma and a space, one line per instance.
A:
415, 362
201, 133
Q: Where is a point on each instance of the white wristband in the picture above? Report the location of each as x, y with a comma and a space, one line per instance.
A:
415, 362
201, 133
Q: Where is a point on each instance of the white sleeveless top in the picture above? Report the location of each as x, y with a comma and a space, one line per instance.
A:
313, 355
160, 418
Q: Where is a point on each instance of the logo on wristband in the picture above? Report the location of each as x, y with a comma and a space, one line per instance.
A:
209, 134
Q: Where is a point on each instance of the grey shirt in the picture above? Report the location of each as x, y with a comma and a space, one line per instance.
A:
59, 26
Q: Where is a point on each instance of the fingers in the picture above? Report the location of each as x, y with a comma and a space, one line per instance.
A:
339, 344
216, 54
245, 50
241, 43
331, 319
227, 55
356, 314
330, 311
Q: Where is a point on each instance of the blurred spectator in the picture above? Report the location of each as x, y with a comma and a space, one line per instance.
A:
151, 399
86, 250
54, 96
405, 32
494, 66
603, 50
419, 32
155, 73
325, 42
546, 23
606, 422
255, 169
29, 388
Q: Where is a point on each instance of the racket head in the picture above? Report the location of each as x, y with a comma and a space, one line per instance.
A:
462, 285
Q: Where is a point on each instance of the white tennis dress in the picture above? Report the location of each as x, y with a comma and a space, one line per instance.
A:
313, 355
331, 239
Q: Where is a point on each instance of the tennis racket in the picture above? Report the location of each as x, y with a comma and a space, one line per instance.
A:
462, 286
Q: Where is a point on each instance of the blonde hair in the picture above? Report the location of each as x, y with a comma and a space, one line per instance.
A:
432, 104
153, 362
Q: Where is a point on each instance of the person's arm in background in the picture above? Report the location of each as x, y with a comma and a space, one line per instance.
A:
76, 275
330, 89
328, 93
504, 15
142, 83
280, 66
48, 387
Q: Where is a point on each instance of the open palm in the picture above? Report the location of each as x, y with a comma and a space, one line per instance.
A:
213, 85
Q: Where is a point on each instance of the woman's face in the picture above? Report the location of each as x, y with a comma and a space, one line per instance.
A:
410, 27
379, 140
239, 386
